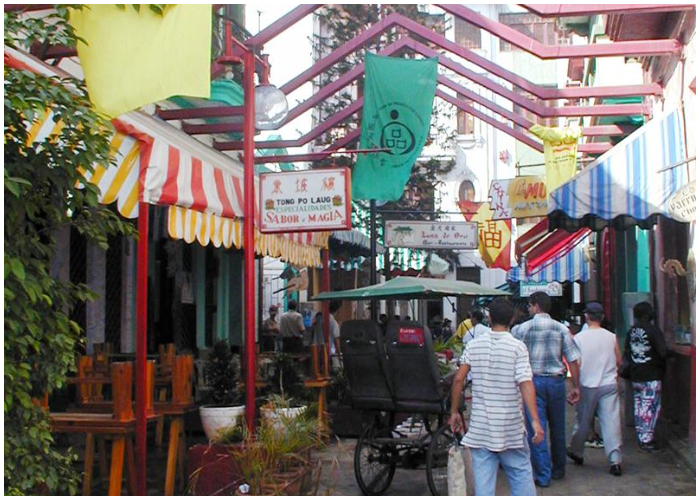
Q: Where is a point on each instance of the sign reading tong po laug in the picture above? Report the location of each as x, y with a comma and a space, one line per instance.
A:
304, 200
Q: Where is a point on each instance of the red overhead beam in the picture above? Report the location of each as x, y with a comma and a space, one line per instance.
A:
535, 107
200, 113
212, 128
592, 9
464, 106
326, 125
284, 22
395, 19
508, 34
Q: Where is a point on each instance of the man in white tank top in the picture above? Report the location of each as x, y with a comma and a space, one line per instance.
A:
600, 357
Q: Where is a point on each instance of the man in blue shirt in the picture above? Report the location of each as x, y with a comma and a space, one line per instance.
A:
548, 343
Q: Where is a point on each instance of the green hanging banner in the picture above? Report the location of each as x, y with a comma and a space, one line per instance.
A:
396, 115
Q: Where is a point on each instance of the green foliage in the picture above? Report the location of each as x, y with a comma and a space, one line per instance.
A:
286, 379
222, 375
42, 196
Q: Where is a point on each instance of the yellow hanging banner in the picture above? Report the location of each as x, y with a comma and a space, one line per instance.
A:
132, 58
560, 147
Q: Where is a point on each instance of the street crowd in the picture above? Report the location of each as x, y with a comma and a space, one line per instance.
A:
526, 364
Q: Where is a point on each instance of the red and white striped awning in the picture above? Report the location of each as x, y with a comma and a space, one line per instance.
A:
202, 186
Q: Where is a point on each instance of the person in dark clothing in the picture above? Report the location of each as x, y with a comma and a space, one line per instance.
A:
645, 351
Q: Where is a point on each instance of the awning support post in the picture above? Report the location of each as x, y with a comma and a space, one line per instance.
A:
249, 233
141, 346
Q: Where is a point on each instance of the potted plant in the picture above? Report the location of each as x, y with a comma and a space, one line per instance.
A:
221, 374
269, 462
277, 460
287, 395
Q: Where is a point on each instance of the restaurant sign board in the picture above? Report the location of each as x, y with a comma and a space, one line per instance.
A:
682, 204
553, 289
519, 198
430, 234
304, 200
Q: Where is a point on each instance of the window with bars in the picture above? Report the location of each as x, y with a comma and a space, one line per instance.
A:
467, 35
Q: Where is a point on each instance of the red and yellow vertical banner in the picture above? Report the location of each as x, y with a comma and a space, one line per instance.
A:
494, 235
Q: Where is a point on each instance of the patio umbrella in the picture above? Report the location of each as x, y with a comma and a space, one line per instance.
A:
406, 288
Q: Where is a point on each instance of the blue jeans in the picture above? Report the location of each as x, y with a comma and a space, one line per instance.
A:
516, 464
551, 408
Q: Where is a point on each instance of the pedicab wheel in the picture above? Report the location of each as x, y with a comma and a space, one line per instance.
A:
374, 463
436, 463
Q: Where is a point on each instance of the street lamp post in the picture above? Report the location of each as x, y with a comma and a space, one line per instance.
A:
265, 108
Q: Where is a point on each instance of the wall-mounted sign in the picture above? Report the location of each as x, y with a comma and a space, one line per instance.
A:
681, 205
305, 200
518, 198
553, 289
426, 234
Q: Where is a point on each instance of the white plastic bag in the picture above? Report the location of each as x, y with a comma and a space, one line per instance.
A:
460, 476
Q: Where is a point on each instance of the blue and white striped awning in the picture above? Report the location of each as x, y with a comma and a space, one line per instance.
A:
571, 266
628, 182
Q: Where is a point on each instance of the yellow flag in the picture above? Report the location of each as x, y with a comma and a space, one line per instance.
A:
560, 146
136, 58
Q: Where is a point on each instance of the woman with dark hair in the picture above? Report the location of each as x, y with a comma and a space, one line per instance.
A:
645, 353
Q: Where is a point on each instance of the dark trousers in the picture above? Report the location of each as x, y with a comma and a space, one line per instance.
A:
292, 344
551, 408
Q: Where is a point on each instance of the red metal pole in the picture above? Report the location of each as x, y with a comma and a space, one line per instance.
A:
249, 233
141, 346
326, 309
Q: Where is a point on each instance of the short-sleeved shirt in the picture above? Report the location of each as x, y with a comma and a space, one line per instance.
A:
270, 327
499, 363
598, 360
319, 337
291, 324
474, 332
547, 341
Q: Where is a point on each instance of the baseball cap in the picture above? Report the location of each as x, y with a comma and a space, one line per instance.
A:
594, 308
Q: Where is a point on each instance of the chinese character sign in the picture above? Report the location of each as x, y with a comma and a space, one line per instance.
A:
518, 198
428, 234
305, 200
494, 235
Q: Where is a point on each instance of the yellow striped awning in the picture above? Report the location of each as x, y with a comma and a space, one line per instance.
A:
299, 249
118, 182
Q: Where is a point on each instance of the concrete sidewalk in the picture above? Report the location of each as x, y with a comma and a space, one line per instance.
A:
643, 473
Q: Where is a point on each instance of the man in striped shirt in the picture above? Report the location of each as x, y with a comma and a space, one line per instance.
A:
501, 382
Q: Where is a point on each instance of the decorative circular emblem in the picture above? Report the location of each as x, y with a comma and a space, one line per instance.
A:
397, 136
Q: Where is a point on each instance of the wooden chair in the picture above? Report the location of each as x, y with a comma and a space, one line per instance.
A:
113, 419
166, 358
181, 402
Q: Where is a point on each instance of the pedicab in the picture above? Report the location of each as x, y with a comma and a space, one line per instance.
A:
394, 377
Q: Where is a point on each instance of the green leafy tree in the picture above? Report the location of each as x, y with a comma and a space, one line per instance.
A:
45, 190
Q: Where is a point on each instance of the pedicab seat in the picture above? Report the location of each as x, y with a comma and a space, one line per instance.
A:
366, 366
413, 369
